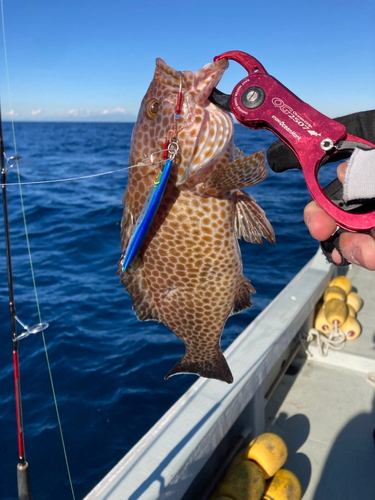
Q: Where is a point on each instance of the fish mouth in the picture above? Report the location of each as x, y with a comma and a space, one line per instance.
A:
205, 130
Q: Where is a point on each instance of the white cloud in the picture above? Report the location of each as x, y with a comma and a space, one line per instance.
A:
79, 112
91, 115
119, 110
36, 112
87, 112
114, 111
11, 113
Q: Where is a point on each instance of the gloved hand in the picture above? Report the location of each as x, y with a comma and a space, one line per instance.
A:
339, 247
362, 124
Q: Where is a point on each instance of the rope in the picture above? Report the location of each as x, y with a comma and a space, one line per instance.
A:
29, 252
370, 378
334, 339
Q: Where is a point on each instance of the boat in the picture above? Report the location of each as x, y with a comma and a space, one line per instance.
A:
322, 406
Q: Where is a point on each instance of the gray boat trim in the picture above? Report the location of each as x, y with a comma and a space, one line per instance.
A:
165, 462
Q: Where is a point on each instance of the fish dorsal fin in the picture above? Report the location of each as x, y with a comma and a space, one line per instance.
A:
243, 172
242, 300
251, 222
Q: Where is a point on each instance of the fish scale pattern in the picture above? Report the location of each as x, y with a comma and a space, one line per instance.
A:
188, 273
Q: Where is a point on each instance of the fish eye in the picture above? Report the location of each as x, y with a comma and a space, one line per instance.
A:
152, 108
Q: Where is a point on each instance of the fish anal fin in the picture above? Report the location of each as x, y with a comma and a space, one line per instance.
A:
216, 368
243, 172
242, 300
251, 222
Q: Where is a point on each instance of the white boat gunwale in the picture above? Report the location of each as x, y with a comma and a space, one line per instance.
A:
166, 461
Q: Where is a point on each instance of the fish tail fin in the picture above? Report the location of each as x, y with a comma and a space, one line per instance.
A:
216, 368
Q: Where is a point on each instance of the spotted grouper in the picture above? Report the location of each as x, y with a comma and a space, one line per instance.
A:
188, 272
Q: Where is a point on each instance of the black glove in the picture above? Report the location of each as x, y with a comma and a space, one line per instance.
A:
280, 157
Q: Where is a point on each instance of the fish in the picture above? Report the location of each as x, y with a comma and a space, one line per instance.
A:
188, 272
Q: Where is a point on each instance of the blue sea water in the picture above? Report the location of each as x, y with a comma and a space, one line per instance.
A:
107, 367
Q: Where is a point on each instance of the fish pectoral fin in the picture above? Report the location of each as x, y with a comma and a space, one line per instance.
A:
243, 172
251, 222
242, 300
216, 368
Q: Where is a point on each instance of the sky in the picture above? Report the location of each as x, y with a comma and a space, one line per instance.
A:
85, 60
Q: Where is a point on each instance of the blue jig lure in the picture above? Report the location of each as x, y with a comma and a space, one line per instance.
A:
147, 214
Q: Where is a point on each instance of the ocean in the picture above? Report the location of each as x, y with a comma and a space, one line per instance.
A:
108, 368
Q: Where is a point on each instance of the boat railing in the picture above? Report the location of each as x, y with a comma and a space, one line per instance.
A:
166, 462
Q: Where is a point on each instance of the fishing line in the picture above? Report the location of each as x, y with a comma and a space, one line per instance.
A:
29, 252
69, 179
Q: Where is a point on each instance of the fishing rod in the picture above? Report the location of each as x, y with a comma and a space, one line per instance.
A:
23, 476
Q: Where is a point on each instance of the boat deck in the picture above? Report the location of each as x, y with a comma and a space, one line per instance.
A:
326, 415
